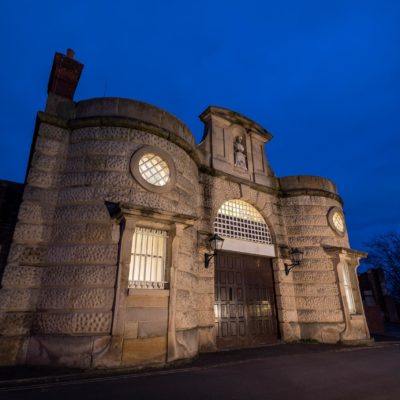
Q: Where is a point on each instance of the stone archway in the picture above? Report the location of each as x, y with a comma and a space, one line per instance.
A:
244, 307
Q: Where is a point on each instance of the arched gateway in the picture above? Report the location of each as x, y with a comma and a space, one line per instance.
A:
244, 289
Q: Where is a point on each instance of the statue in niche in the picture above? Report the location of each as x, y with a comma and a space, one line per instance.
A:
240, 157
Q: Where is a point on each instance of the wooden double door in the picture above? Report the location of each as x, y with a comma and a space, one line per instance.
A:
244, 300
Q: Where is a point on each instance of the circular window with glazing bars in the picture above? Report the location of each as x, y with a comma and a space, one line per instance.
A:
153, 168
336, 221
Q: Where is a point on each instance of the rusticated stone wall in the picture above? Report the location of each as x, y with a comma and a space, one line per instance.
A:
309, 296
27, 260
64, 298
10, 199
217, 190
78, 290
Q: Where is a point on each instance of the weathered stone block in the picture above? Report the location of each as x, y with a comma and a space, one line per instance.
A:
73, 179
324, 333
205, 317
89, 254
35, 212
152, 328
87, 233
79, 213
207, 339
147, 300
71, 195
32, 233
14, 324
186, 280
320, 315
50, 147
110, 178
144, 351
69, 323
186, 320
22, 276
53, 132
75, 164
45, 163
131, 329
290, 331
306, 289
185, 300
287, 316
204, 301
205, 285
99, 322
305, 209
21, 299
299, 241
187, 342
43, 179
309, 200
299, 276
76, 298
306, 220
12, 350
147, 314
310, 302
302, 230
73, 352
83, 275
40, 195
317, 264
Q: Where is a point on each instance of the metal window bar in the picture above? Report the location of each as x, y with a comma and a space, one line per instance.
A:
154, 169
240, 220
148, 259
348, 288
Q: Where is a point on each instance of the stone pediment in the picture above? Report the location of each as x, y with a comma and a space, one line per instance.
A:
234, 145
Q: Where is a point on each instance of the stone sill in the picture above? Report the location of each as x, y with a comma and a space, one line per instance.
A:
148, 292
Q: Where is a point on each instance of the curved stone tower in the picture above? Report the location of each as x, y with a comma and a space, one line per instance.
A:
107, 265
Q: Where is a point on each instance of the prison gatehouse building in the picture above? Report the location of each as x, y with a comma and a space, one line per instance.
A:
136, 246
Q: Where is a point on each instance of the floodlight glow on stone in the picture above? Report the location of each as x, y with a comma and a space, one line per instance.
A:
338, 221
154, 169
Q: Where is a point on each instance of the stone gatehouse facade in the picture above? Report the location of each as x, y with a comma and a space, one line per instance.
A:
107, 263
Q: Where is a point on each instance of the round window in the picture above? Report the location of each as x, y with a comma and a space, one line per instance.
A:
154, 169
336, 220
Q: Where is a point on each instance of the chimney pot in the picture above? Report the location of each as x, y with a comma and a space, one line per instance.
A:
70, 53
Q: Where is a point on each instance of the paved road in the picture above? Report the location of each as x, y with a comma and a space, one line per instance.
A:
336, 373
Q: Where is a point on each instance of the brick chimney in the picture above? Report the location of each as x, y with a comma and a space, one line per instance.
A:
65, 75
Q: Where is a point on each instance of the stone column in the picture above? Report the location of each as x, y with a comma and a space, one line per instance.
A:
356, 328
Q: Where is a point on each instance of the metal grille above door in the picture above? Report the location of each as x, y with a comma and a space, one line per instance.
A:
244, 300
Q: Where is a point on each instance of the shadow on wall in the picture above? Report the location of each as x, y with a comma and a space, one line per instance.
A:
10, 200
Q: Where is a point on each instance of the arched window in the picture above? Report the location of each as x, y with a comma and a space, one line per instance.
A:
240, 220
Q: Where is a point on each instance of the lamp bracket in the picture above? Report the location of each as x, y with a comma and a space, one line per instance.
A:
207, 259
289, 267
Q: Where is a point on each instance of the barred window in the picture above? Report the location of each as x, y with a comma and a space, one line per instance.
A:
154, 169
348, 288
240, 220
148, 259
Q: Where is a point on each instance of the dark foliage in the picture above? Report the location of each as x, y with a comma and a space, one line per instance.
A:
384, 252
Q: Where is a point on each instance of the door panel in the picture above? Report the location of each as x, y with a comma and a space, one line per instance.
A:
244, 300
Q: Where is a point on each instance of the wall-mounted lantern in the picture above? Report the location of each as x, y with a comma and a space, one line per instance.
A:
296, 256
215, 243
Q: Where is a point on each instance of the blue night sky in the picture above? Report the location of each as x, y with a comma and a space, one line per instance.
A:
322, 77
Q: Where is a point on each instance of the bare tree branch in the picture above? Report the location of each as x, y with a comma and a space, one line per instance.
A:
384, 252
